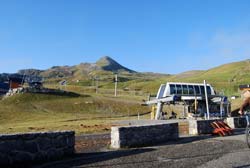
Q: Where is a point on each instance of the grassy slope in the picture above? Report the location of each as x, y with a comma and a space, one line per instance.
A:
38, 112
224, 78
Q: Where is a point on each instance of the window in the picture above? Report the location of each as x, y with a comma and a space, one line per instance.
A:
197, 90
208, 90
172, 89
202, 90
161, 92
179, 89
191, 89
185, 89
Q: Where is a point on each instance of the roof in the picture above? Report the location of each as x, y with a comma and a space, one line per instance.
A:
4, 85
16, 79
183, 83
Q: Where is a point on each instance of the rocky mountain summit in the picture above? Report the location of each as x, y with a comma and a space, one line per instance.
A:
83, 70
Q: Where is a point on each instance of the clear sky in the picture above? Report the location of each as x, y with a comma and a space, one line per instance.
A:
166, 36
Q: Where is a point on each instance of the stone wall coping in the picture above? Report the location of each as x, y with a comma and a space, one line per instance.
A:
145, 125
203, 119
15, 135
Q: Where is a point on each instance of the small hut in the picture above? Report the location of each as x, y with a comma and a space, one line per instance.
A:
15, 82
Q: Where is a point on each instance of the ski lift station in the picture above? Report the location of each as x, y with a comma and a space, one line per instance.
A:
188, 100
196, 106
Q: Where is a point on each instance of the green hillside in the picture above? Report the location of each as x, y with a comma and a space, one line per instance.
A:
40, 112
224, 78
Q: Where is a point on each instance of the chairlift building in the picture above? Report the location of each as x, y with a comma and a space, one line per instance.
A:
189, 100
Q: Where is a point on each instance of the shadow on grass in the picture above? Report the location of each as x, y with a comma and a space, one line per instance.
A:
106, 117
57, 92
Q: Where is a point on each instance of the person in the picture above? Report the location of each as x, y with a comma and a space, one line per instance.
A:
163, 115
244, 105
173, 115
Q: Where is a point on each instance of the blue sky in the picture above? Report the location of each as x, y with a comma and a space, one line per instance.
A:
166, 36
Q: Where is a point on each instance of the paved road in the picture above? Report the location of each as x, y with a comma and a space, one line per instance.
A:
237, 159
202, 152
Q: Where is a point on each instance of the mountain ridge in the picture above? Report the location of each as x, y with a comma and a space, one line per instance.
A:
224, 77
104, 65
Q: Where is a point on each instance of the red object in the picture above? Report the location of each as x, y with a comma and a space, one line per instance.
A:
14, 85
221, 128
228, 129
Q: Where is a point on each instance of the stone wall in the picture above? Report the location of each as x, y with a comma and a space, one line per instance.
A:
20, 90
144, 135
197, 127
29, 148
237, 122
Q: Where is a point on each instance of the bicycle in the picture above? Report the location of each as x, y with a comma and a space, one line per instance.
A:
247, 131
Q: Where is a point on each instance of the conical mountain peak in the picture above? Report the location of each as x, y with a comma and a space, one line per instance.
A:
109, 64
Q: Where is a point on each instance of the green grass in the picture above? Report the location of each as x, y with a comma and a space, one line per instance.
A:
84, 114
225, 78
